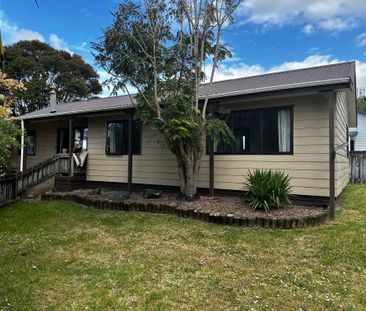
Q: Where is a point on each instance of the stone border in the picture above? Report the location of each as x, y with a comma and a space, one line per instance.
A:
225, 219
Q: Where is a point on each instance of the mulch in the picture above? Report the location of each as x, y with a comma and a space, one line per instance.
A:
223, 205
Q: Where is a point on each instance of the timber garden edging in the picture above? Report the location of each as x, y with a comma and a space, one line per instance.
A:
225, 219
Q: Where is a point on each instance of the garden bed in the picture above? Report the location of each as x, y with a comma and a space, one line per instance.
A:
231, 210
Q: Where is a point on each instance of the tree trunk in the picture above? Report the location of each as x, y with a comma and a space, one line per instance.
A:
189, 162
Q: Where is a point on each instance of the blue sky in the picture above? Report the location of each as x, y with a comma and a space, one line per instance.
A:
268, 35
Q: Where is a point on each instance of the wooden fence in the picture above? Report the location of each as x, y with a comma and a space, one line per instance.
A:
15, 185
357, 166
7, 190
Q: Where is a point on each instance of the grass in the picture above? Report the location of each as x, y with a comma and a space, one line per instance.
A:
59, 255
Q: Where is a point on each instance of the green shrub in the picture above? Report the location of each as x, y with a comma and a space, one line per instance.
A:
268, 189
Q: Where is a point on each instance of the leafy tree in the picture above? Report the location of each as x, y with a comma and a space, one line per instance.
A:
9, 130
37, 65
161, 49
361, 100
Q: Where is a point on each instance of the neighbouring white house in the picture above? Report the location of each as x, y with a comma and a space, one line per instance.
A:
358, 134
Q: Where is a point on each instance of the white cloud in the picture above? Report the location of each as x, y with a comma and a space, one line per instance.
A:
361, 74
244, 70
308, 29
336, 24
86, 12
225, 72
58, 43
310, 61
327, 15
314, 50
25, 34
361, 39
103, 76
83, 47
12, 33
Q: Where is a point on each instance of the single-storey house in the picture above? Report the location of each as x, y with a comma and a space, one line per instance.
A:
358, 134
296, 121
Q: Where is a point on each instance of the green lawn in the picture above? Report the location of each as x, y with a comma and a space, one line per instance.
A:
59, 255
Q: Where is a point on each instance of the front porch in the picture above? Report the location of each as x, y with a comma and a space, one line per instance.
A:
64, 138
67, 139
66, 180
64, 163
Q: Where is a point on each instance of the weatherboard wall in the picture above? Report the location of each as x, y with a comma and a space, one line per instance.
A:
308, 165
340, 138
46, 143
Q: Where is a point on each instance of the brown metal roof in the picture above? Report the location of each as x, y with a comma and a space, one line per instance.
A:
321, 75
85, 106
292, 79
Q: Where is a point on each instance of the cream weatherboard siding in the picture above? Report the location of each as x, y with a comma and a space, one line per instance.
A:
308, 166
46, 142
341, 137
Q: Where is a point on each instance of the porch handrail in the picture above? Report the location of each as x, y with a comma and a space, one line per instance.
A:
15, 185
36, 174
12, 186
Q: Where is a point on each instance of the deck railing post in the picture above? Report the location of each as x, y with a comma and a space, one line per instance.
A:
70, 173
23, 147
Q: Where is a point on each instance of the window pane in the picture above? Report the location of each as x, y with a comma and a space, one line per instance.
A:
136, 137
114, 138
269, 131
284, 130
258, 131
125, 137
246, 129
246, 126
221, 147
31, 143
117, 138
